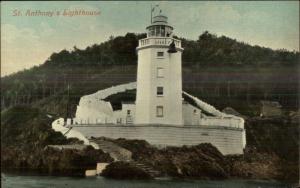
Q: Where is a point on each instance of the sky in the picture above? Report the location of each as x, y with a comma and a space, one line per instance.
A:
27, 41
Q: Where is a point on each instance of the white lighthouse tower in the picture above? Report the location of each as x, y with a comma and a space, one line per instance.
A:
159, 79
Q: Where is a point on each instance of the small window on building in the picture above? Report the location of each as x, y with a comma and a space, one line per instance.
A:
159, 111
195, 111
160, 72
128, 112
160, 91
160, 54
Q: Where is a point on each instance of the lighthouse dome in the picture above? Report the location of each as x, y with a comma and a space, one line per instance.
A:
160, 19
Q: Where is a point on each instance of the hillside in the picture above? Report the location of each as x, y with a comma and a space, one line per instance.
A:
213, 68
218, 70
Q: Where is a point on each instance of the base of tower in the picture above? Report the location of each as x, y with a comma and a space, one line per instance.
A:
228, 140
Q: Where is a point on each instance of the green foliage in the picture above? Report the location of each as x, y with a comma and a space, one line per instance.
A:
25, 133
57, 85
208, 49
279, 136
26, 127
213, 50
116, 51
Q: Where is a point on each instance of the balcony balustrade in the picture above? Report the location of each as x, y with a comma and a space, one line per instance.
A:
158, 41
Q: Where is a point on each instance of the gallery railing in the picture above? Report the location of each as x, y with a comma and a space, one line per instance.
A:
159, 41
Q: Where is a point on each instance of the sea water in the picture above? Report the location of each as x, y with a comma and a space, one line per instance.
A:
30, 181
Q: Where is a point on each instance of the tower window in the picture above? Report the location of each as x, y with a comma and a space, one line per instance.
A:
160, 72
162, 29
159, 111
160, 91
128, 112
152, 32
157, 30
160, 54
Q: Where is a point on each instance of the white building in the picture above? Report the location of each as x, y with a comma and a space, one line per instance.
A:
159, 85
161, 114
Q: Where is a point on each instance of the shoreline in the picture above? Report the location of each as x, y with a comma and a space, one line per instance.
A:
163, 178
155, 182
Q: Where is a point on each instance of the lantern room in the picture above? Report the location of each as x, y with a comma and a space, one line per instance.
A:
159, 27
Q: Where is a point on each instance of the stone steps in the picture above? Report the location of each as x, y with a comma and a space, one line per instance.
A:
121, 154
116, 152
146, 168
68, 131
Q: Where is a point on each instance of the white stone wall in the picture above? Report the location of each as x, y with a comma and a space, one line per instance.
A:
58, 126
219, 118
93, 110
221, 121
191, 114
227, 140
148, 81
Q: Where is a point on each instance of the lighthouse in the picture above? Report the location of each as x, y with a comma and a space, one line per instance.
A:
162, 114
159, 77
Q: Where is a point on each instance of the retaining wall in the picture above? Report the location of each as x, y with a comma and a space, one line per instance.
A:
228, 140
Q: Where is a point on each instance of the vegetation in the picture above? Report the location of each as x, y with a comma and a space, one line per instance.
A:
213, 68
275, 132
29, 127
25, 133
213, 50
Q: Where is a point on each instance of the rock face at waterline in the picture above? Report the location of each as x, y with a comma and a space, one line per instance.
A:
124, 170
268, 155
204, 161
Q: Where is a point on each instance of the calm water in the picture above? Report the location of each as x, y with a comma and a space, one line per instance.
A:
16, 181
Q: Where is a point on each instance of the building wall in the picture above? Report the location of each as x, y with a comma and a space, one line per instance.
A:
121, 116
92, 109
222, 121
191, 114
227, 140
143, 99
147, 83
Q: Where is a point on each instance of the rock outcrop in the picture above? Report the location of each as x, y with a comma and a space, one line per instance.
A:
124, 170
